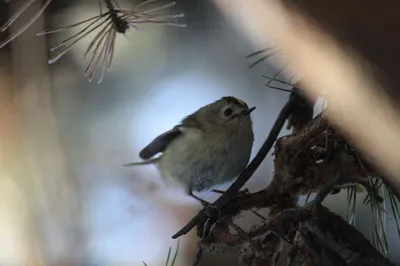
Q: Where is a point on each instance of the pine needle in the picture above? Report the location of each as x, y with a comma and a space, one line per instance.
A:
394, 204
274, 50
168, 256
176, 254
351, 204
379, 214
25, 26
259, 52
287, 83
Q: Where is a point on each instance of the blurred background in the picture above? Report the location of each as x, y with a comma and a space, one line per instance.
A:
65, 199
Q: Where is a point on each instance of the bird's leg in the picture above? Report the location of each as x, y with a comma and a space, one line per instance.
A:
210, 209
203, 202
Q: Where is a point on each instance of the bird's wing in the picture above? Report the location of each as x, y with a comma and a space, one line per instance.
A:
188, 125
160, 143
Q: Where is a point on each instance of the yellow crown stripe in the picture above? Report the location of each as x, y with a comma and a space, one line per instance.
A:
241, 101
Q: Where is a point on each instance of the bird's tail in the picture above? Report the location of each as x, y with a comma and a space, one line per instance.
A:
151, 161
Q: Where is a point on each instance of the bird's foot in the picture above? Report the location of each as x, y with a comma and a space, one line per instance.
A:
210, 209
205, 203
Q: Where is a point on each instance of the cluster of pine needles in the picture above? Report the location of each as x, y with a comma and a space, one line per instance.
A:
379, 211
111, 21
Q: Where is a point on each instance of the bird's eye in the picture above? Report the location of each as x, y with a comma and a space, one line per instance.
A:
228, 112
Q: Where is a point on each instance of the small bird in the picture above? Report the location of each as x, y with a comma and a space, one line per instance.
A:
209, 147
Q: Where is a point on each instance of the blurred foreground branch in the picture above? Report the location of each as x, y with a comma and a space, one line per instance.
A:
42, 176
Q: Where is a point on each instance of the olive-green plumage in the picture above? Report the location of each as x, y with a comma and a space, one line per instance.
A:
209, 147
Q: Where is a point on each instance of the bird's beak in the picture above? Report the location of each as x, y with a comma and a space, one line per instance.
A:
251, 110
248, 111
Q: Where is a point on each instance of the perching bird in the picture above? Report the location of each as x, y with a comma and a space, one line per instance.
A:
209, 147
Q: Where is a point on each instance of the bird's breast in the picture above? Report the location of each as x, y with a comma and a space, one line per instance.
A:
200, 159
